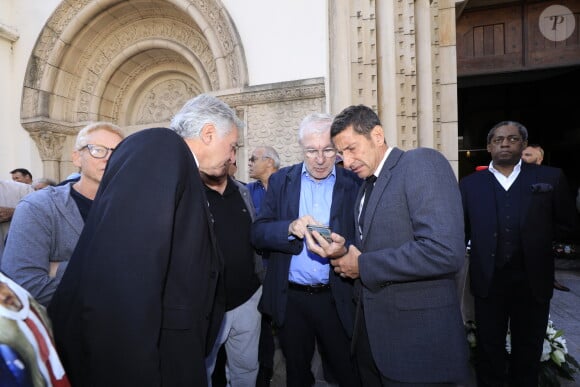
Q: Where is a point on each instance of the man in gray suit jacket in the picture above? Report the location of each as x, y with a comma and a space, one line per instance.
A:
408, 328
47, 223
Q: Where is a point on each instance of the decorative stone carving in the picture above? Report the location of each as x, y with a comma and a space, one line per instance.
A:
219, 19
364, 55
273, 112
285, 91
146, 70
87, 57
276, 124
399, 22
163, 101
130, 36
38, 125
49, 144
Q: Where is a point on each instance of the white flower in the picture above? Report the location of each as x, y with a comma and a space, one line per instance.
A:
471, 340
546, 350
558, 357
555, 359
561, 344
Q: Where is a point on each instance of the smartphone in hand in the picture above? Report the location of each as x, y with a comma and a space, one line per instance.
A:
322, 230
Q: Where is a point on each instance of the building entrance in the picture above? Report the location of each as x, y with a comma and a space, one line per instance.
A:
545, 101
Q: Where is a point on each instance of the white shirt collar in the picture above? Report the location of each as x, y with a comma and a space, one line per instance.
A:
382, 163
506, 181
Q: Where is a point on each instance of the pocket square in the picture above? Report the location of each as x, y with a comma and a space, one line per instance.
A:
542, 187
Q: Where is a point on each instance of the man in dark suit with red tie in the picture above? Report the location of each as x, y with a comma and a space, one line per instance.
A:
513, 213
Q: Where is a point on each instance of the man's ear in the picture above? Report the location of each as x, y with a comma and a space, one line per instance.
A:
208, 133
378, 135
76, 158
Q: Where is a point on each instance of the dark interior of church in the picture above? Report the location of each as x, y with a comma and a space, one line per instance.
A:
546, 102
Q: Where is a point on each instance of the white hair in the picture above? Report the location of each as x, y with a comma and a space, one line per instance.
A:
201, 110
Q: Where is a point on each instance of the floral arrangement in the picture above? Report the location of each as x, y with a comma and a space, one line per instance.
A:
555, 361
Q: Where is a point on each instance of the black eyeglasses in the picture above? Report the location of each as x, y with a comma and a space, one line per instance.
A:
511, 139
98, 151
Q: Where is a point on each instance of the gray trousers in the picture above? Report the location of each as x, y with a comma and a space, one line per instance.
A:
240, 332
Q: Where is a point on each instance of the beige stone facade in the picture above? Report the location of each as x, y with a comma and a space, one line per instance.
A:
401, 61
136, 62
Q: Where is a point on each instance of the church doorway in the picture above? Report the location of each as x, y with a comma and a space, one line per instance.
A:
545, 101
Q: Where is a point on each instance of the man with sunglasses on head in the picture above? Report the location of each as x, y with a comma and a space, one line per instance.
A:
261, 165
47, 223
308, 302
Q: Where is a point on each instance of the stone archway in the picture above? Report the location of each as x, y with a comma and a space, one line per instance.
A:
131, 62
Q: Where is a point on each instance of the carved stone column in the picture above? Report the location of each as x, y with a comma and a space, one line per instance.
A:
448, 82
425, 79
402, 64
339, 83
387, 74
50, 145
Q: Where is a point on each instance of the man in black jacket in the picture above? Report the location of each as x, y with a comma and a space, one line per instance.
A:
513, 213
136, 306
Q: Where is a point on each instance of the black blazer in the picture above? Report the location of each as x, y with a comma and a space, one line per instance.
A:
270, 233
548, 215
136, 304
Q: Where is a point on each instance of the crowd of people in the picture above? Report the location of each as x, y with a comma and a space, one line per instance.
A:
155, 257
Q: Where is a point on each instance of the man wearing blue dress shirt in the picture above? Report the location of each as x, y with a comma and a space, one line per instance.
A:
308, 302
261, 165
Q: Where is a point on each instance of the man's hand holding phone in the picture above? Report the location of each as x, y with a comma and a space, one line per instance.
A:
324, 231
325, 243
344, 260
298, 226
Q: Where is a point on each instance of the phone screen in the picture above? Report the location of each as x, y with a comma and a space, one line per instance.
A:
322, 230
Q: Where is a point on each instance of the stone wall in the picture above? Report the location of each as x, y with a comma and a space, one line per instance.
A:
272, 114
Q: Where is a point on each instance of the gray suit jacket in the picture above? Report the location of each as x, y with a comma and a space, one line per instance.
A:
45, 228
410, 254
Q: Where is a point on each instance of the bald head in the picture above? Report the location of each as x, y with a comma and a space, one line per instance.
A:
533, 154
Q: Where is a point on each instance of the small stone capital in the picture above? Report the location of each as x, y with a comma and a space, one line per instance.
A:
50, 144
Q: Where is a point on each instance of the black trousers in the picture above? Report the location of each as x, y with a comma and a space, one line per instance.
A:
266, 350
368, 370
510, 303
310, 318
